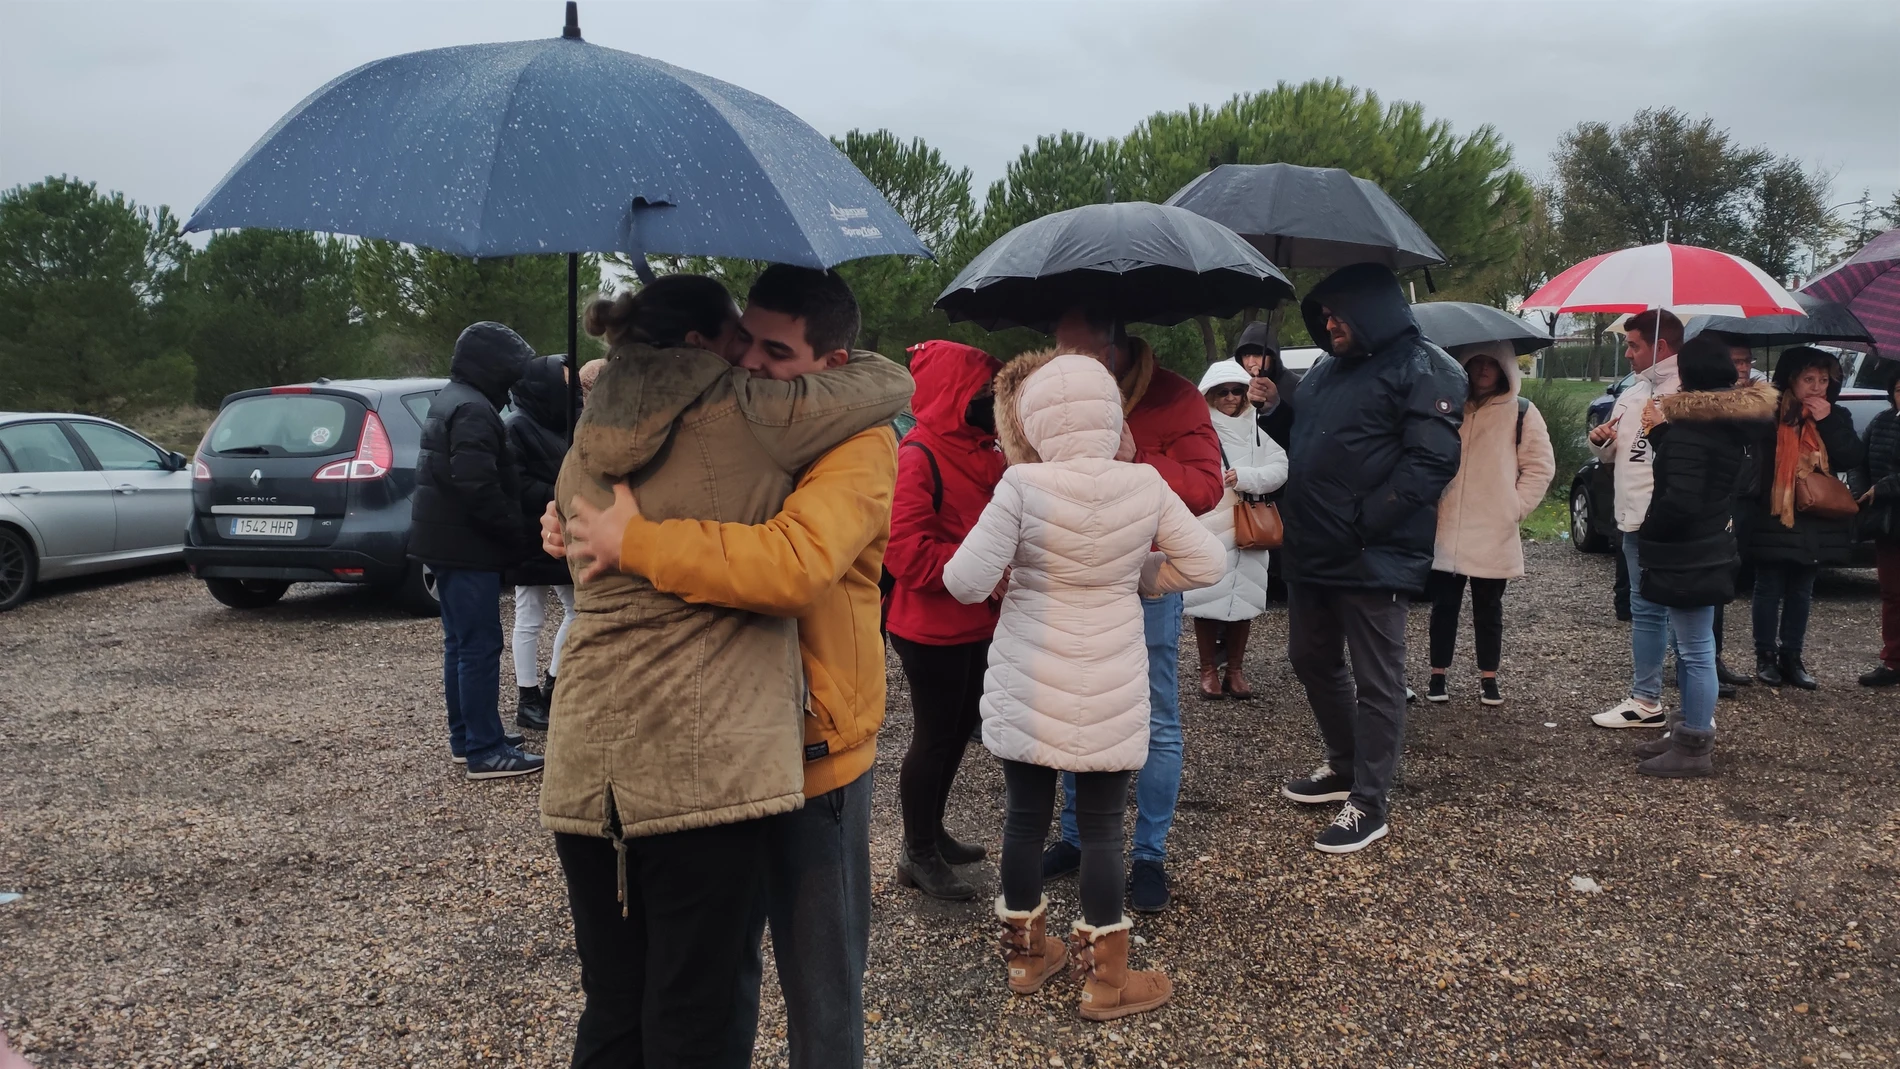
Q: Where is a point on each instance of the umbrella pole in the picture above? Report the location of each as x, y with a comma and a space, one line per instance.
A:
573, 336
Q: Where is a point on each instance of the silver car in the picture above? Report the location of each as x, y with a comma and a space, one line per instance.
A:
80, 494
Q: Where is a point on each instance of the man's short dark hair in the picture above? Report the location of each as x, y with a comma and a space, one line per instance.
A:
821, 298
1644, 323
1704, 364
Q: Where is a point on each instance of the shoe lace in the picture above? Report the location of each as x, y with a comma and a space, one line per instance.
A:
1322, 772
1349, 818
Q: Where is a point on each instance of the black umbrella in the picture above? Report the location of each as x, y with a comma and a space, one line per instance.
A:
1142, 263
1449, 324
1824, 321
1310, 216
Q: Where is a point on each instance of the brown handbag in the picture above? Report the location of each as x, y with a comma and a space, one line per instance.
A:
1256, 520
1819, 494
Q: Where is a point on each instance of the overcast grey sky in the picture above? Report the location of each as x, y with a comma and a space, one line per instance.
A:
158, 99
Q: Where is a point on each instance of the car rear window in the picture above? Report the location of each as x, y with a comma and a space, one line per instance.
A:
281, 425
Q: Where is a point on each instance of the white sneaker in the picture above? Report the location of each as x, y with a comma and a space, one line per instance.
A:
1631, 713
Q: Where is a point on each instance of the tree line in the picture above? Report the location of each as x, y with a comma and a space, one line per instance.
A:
105, 308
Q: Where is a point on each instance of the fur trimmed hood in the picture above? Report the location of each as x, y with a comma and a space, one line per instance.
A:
1753, 403
1009, 394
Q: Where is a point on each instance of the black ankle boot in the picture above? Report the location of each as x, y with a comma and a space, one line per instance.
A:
531, 710
1730, 678
1767, 669
1794, 673
933, 876
957, 853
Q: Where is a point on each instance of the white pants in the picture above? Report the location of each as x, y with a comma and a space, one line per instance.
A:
531, 617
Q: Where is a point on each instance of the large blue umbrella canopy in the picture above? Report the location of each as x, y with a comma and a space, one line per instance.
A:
1144, 263
556, 146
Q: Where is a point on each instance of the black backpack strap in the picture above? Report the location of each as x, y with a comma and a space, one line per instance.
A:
1523, 406
936, 474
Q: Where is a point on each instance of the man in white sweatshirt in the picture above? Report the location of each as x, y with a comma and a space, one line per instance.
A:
1654, 337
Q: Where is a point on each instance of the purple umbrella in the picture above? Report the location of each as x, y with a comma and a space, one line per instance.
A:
1868, 283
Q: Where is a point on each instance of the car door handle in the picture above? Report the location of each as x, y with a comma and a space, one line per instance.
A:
23, 491
126, 488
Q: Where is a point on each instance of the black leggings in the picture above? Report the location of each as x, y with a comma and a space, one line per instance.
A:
945, 683
1099, 800
1487, 618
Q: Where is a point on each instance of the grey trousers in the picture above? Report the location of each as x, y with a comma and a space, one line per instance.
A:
818, 902
1361, 709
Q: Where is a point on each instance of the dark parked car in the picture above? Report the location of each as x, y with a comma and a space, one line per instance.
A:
310, 484
1593, 490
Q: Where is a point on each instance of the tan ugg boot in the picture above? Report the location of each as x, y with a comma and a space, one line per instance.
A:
1109, 990
1031, 954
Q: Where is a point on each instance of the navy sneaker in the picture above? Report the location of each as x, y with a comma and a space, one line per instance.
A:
1061, 859
1351, 831
1147, 887
1322, 786
504, 763
1436, 691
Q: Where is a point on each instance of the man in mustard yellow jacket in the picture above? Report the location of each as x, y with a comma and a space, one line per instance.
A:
819, 561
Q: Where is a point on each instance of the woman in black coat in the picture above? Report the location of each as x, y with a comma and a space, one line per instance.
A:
1686, 545
1788, 547
537, 436
1880, 517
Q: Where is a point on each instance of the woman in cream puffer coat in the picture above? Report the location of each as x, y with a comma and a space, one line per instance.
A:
1253, 464
1068, 536
1505, 466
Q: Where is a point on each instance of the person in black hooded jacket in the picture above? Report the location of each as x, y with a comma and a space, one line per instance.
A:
1375, 444
537, 436
1273, 386
466, 525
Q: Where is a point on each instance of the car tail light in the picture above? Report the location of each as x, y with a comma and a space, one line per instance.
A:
347, 573
290, 389
200, 473
372, 460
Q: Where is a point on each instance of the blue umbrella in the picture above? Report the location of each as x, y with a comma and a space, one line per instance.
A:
556, 146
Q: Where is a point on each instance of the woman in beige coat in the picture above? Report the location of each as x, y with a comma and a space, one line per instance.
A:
1505, 466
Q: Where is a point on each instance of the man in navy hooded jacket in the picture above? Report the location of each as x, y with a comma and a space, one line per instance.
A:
1374, 446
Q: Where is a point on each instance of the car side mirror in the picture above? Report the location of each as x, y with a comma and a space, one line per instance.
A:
177, 461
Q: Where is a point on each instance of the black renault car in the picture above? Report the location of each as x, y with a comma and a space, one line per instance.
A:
310, 484
1593, 491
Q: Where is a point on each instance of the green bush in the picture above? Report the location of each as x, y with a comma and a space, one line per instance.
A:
1565, 411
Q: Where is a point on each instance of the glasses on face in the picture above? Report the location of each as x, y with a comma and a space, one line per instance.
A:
1228, 391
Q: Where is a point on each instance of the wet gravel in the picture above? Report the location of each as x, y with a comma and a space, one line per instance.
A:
241, 843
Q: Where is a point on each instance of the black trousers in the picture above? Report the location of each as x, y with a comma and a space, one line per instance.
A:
1487, 618
1360, 710
1100, 798
670, 984
945, 684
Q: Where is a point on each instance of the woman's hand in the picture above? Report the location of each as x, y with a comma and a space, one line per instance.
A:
1230, 478
1262, 391
595, 535
553, 543
1002, 587
1817, 408
1868, 497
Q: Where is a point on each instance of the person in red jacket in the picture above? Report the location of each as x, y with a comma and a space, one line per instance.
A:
947, 467
1167, 428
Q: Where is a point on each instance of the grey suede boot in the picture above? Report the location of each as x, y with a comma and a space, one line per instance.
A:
1660, 745
1690, 756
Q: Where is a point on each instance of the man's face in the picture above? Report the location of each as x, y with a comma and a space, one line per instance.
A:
1642, 355
1337, 332
1075, 335
1744, 361
773, 346
1254, 360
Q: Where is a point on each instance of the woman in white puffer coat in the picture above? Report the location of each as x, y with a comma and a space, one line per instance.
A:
1255, 465
1067, 539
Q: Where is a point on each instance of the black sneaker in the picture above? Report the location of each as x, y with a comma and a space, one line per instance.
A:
1061, 859
1322, 786
1147, 887
1883, 676
1352, 831
1436, 691
504, 763
1488, 693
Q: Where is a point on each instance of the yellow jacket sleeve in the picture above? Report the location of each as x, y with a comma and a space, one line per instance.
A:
783, 566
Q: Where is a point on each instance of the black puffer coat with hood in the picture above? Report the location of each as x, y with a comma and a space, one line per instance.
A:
537, 436
466, 512
1375, 444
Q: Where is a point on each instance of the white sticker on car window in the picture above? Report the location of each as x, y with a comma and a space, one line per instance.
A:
320, 436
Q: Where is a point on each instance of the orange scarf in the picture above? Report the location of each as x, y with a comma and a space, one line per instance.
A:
1798, 451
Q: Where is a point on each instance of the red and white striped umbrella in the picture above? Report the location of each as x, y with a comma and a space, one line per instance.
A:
1682, 278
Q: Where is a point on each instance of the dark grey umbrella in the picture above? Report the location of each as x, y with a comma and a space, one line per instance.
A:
1824, 321
1142, 263
1449, 324
1310, 216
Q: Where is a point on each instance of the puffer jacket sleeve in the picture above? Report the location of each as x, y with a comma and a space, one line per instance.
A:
1536, 463
1268, 473
1433, 409
1844, 448
478, 448
799, 420
781, 567
1191, 462
1189, 555
979, 563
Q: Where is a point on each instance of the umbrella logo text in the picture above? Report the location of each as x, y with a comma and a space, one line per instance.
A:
845, 215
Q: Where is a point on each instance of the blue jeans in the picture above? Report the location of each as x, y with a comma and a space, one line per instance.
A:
1158, 784
1695, 664
1649, 633
471, 659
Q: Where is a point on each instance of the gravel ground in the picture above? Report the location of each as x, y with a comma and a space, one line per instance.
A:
242, 844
